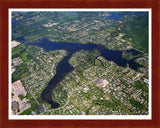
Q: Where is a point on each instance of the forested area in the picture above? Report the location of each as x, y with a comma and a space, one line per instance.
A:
137, 31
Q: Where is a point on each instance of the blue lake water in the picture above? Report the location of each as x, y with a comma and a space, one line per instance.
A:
21, 39
70, 12
14, 31
117, 16
64, 67
14, 22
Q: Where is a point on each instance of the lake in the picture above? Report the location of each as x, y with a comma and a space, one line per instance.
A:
118, 15
64, 67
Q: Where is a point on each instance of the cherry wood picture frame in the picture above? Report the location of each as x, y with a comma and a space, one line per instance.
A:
107, 4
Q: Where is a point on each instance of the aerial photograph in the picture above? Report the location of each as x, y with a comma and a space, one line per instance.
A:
73, 62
